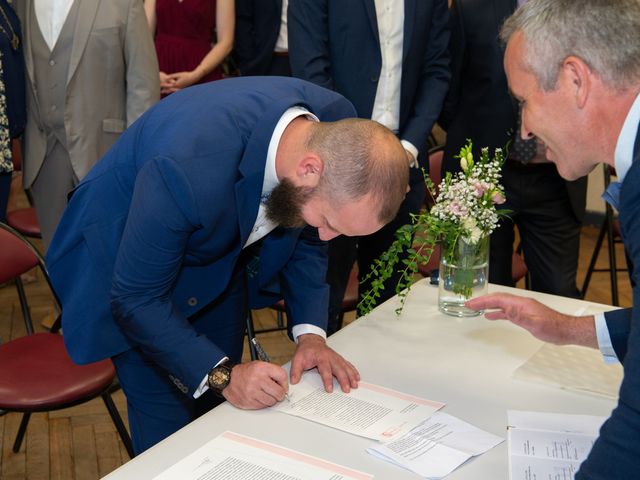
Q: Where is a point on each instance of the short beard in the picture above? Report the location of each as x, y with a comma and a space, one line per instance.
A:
284, 205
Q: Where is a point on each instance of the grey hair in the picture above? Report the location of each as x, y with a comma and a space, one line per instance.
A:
605, 34
360, 157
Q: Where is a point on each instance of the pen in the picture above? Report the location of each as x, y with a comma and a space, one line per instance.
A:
262, 355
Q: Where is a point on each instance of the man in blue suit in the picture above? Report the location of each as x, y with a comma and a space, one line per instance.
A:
390, 59
155, 258
573, 65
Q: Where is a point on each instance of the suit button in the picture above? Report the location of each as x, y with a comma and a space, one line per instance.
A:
374, 79
52, 62
192, 302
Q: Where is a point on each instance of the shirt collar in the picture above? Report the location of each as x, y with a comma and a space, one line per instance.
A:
623, 156
270, 176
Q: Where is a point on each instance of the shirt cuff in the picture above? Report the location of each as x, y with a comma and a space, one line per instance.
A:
412, 150
204, 386
305, 328
604, 339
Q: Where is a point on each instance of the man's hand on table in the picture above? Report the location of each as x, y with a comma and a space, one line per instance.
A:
541, 321
312, 351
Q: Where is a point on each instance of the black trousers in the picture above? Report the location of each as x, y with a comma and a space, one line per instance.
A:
344, 251
548, 227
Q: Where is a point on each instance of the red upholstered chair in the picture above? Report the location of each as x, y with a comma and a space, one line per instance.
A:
36, 373
23, 220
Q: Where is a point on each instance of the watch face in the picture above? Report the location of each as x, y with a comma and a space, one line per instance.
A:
219, 377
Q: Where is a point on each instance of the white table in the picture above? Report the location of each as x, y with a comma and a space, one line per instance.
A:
466, 363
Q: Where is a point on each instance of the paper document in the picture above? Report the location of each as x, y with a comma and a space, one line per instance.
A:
572, 368
370, 410
549, 445
437, 446
231, 456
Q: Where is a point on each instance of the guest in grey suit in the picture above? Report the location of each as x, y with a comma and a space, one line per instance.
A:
91, 72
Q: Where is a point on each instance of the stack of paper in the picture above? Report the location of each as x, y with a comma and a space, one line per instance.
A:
549, 445
572, 368
232, 456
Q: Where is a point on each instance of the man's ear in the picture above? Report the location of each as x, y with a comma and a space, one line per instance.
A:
309, 170
577, 76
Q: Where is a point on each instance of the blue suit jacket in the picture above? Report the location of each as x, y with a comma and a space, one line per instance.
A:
616, 453
152, 235
335, 44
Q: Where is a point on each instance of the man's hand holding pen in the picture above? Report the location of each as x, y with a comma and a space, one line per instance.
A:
256, 385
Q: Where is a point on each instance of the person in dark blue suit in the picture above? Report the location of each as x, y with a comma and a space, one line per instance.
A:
158, 253
573, 65
547, 210
390, 59
261, 44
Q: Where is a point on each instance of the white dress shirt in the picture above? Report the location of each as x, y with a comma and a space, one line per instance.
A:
623, 158
282, 43
263, 225
51, 15
386, 106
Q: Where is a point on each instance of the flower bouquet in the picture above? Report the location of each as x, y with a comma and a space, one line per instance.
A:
463, 216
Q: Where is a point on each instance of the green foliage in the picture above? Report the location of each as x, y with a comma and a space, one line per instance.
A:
463, 212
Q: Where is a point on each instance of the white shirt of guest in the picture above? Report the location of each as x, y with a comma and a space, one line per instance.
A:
282, 43
51, 15
623, 158
386, 106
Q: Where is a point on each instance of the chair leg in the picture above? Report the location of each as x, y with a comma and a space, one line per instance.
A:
251, 332
21, 431
594, 258
613, 269
24, 305
117, 421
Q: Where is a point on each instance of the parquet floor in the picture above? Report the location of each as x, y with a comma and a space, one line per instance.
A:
81, 443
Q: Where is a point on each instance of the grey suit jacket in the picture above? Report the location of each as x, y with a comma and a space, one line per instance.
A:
113, 78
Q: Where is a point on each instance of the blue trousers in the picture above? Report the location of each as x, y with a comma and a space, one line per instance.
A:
156, 407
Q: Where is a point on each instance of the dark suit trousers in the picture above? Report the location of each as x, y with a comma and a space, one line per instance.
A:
344, 251
156, 405
548, 227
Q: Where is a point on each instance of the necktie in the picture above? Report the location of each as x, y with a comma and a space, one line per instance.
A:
522, 150
612, 194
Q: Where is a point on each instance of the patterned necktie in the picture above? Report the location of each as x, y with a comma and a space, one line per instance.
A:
522, 150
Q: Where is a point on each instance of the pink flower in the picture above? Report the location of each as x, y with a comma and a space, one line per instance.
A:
498, 198
478, 189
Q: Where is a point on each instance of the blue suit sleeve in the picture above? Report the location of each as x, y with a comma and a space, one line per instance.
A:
433, 83
308, 31
619, 326
149, 259
303, 282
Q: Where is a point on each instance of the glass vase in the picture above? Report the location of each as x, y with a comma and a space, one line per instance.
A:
464, 274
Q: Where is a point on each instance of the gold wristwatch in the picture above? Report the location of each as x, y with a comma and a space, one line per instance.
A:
220, 376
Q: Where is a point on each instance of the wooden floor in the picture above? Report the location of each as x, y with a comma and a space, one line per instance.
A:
81, 442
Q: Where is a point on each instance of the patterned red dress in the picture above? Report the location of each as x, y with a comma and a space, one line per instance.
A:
184, 32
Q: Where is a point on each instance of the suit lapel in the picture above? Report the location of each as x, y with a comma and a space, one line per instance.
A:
409, 22
373, 20
86, 15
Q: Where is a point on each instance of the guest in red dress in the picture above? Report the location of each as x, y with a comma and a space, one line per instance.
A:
184, 32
